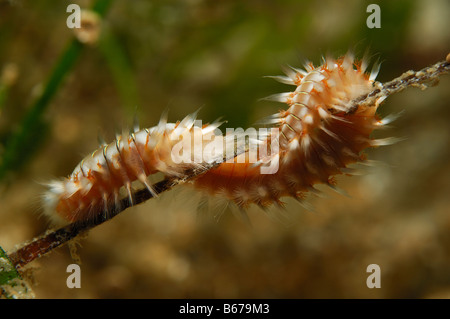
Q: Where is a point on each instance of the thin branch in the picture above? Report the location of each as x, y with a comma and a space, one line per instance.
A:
39, 246
47, 242
422, 79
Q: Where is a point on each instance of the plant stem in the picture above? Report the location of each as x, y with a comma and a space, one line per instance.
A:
24, 137
43, 244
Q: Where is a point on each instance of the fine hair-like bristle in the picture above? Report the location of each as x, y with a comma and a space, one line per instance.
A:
320, 134
315, 138
100, 179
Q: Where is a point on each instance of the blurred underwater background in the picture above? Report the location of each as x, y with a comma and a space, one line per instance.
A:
57, 95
